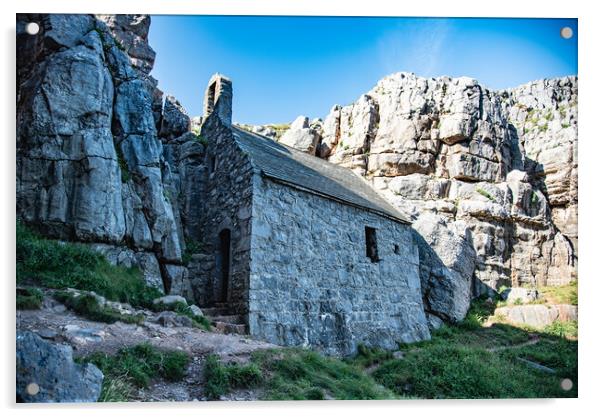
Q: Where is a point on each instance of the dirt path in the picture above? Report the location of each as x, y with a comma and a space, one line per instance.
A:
529, 342
55, 323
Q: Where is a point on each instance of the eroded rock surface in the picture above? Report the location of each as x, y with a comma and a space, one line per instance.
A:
90, 164
46, 372
497, 168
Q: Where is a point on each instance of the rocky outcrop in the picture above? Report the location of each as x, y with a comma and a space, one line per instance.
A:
537, 316
301, 136
175, 122
447, 263
90, 166
497, 169
46, 373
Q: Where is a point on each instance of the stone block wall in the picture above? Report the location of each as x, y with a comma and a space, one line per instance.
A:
312, 284
227, 205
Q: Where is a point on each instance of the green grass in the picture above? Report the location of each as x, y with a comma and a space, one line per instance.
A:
220, 378
367, 357
534, 199
192, 247
469, 360
485, 194
566, 294
60, 265
29, 299
123, 166
135, 367
567, 330
184, 310
299, 374
201, 139
86, 305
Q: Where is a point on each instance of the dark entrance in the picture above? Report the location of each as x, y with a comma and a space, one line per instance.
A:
223, 265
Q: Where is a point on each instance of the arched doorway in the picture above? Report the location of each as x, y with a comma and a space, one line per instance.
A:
223, 265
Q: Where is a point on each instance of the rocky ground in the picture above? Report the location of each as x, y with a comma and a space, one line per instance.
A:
540, 362
53, 322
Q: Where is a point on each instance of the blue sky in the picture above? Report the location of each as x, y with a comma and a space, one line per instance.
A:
282, 67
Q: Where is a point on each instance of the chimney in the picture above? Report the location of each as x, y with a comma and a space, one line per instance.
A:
218, 98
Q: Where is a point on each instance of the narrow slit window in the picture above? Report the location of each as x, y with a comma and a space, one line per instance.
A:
396, 249
212, 164
371, 244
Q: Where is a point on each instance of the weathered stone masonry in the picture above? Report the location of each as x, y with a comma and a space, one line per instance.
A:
227, 208
312, 284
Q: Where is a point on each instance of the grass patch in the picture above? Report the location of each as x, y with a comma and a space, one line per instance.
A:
469, 360
123, 166
220, 379
299, 374
566, 329
485, 194
87, 305
184, 309
453, 371
29, 299
59, 265
367, 356
201, 139
565, 294
192, 247
534, 199
135, 367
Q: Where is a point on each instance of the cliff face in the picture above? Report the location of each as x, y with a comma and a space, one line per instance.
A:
90, 164
497, 169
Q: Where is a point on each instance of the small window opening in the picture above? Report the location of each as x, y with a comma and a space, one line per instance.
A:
396, 249
371, 245
212, 164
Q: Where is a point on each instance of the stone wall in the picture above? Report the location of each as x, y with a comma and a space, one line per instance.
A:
312, 284
228, 199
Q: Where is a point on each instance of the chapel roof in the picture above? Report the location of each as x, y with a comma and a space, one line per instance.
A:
312, 174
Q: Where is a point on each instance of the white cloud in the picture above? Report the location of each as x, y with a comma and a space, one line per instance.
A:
415, 45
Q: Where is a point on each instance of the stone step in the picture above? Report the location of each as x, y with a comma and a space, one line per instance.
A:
229, 328
233, 318
215, 311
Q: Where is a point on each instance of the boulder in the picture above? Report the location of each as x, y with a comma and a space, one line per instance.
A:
46, 372
537, 316
172, 319
196, 310
169, 300
301, 136
519, 295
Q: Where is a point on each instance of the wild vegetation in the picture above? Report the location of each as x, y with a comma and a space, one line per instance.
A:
480, 357
135, 367
60, 265
29, 298
87, 305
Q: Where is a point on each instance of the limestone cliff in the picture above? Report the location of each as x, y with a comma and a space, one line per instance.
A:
497, 169
91, 166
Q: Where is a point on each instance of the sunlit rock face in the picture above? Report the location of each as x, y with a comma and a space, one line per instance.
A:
499, 167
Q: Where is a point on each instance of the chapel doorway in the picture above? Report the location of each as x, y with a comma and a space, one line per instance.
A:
223, 265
